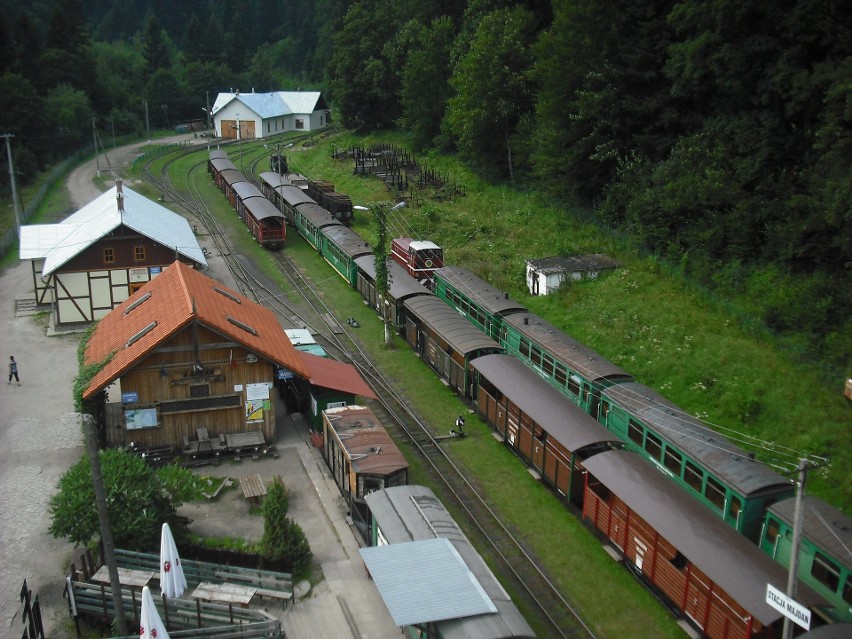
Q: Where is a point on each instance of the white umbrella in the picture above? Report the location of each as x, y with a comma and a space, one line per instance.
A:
150, 625
172, 580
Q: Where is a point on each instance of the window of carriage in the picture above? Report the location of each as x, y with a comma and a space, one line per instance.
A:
653, 445
139, 253
574, 385
772, 529
604, 414
673, 460
825, 571
560, 374
524, 347
693, 476
109, 255
736, 507
715, 493
547, 365
635, 432
535, 357
847, 591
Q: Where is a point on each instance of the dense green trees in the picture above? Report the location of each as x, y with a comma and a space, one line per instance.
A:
716, 133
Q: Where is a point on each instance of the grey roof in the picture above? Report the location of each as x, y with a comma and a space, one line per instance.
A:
462, 336
592, 262
830, 631
402, 285
490, 298
100, 217
317, 215
413, 513
824, 525
443, 589
568, 350
729, 462
232, 176
260, 208
294, 196
348, 241
218, 154
274, 179
222, 163
246, 190
547, 407
729, 559
274, 104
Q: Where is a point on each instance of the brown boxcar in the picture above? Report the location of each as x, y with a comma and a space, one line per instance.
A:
710, 573
542, 426
362, 457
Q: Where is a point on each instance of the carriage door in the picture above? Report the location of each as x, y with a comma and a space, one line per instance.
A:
697, 598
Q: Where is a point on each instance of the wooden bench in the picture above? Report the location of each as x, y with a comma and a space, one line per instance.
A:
263, 587
253, 487
126, 576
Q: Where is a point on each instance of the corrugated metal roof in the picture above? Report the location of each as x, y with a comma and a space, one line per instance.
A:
274, 179
413, 513
294, 196
729, 462
178, 296
37, 240
490, 298
571, 263
329, 373
245, 190
261, 208
232, 176
726, 557
318, 216
402, 284
222, 163
825, 525
570, 351
368, 446
102, 216
299, 336
274, 104
546, 406
462, 336
444, 588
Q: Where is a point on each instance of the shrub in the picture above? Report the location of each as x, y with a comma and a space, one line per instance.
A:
283, 539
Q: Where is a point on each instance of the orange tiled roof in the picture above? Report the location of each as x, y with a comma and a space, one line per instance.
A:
168, 303
330, 373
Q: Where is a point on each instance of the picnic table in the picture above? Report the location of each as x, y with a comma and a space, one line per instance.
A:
253, 487
126, 576
224, 593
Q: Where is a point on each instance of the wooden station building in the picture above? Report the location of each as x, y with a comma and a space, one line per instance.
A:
186, 356
96, 258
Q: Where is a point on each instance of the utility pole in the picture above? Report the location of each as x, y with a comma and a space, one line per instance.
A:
798, 517
16, 204
380, 252
103, 517
95, 134
147, 123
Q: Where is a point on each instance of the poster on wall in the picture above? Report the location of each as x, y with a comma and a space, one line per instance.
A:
254, 410
257, 391
140, 418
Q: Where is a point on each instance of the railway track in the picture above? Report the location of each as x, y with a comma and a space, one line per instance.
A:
300, 305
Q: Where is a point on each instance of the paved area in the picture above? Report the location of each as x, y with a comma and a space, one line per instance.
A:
40, 438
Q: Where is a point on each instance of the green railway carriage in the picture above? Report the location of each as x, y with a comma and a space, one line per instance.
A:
825, 555
310, 221
718, 473
482, 304
341, 246
572, 367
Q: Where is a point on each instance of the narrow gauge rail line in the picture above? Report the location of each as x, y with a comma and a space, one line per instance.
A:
528, 580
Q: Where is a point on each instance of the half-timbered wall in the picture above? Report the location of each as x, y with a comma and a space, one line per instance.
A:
197, 379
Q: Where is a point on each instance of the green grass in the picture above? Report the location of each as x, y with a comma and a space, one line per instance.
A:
667, 335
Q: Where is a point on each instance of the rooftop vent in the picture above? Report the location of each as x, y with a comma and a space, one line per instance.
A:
137, 303
141, 334
230, 296
239, 324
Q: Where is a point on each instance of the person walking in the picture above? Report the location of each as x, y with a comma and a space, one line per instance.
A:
13, 370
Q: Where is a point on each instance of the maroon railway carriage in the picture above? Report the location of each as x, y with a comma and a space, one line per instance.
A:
420, 258
540, 424
710, 573
265, 222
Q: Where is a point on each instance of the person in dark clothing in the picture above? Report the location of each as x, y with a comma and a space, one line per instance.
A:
13, 370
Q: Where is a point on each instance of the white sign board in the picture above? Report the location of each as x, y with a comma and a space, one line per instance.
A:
788, 607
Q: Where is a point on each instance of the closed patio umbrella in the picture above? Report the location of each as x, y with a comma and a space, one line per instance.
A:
172, 579
150, 624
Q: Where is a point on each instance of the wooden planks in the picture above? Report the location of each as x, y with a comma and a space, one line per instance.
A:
253, 487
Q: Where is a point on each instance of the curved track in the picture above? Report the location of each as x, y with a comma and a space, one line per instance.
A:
530, 587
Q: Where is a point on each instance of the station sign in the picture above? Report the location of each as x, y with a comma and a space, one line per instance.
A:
788, 607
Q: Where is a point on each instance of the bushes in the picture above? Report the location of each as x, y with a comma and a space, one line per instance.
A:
283, 539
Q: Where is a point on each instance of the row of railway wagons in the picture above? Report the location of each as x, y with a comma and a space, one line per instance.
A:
460, 324
264, 220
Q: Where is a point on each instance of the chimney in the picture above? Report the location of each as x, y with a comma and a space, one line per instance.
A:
526, 321
119, 196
